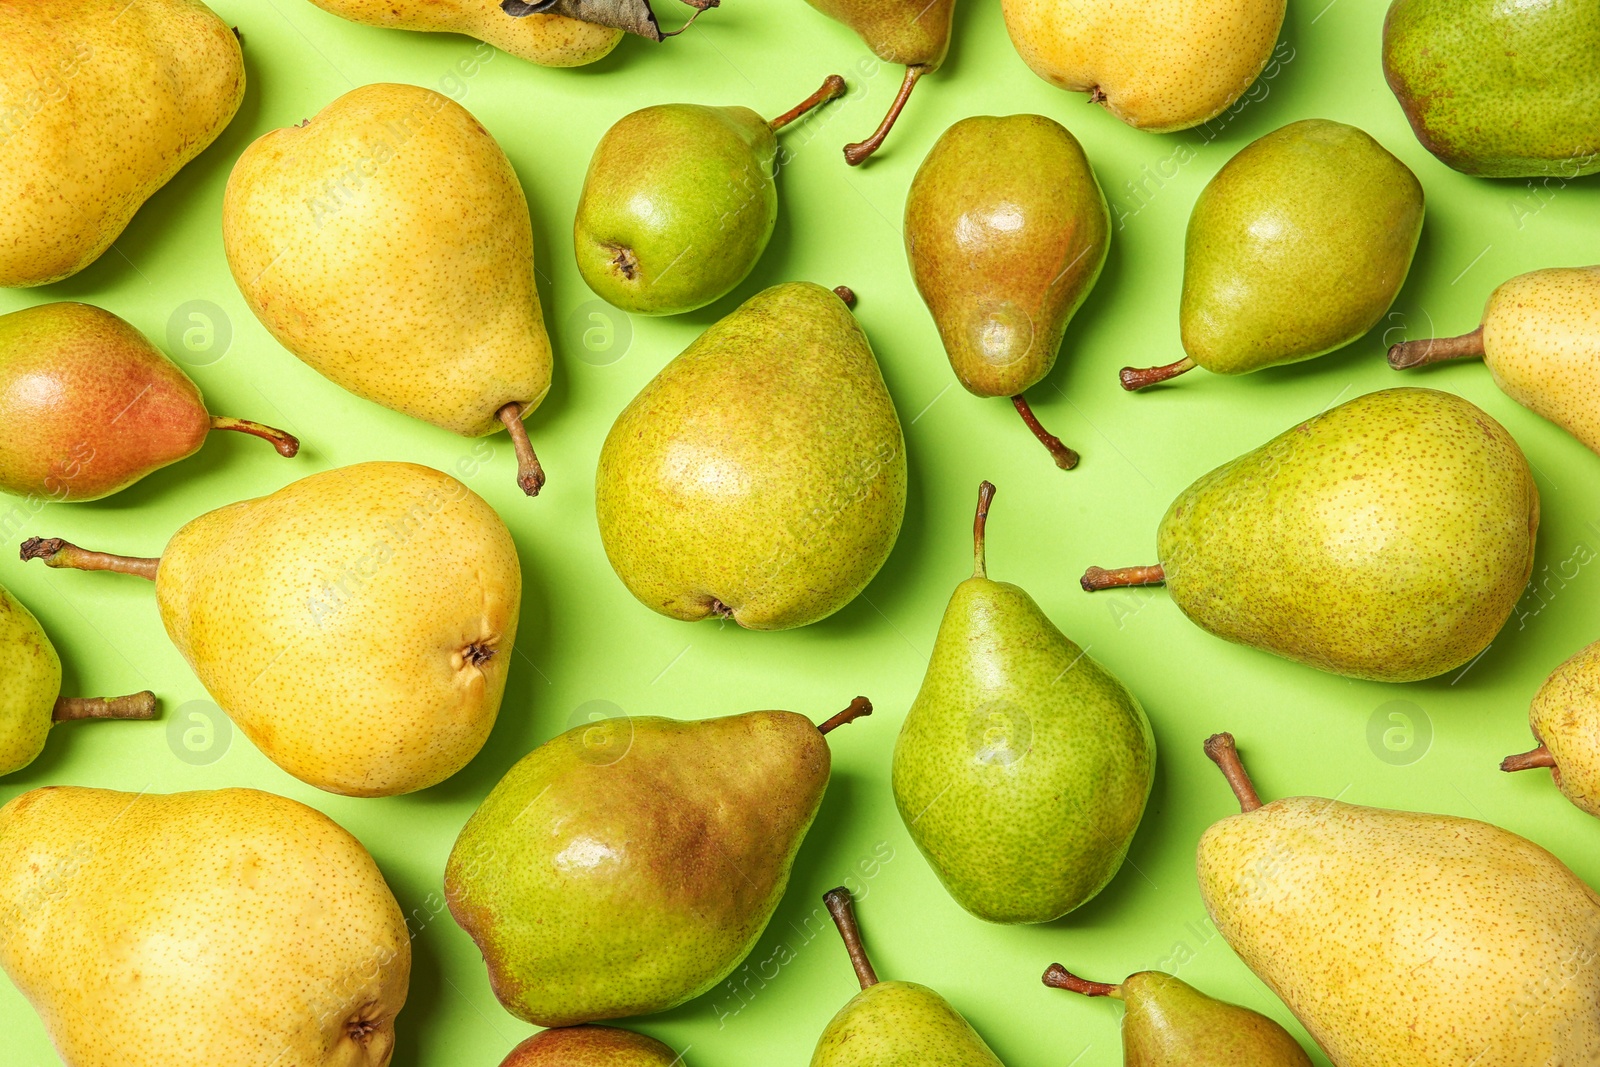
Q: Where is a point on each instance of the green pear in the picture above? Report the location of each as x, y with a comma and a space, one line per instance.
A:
401, 188
1005, 255
1160, 65
88, 406
1565, 717
1388, 538
1170, 1023
914, 34
1405, 939
761, 476
230, 928
892, 1024
30, 690
1023, 768
1540, 339
1501, 90
102, 105
550, 40
357, 625
1297, 247
628, 866
679, 203
591, 1046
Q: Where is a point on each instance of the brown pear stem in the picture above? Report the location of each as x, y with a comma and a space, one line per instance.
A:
1136, 378
1058, 977
530, 475
833, 88
58, 553
847, 294
980, 522
286, 443
1528, 761
135, 706
1225, 754
699, 10
1409, 354
842, 908
858, 153
1065, 457
1097, 578
859, 708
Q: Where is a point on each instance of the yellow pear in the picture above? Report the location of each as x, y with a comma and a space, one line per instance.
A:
548, 40
100, 105
386, 242
1565, 718
229, 928
1158, 65
357, 625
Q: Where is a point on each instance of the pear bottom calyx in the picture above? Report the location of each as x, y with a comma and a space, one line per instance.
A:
859, 152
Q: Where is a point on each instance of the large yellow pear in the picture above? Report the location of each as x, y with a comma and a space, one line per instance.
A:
230, 928
100, 105
548, 40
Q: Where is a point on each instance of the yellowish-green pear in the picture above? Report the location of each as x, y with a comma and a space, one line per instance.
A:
549, 40
1565, 717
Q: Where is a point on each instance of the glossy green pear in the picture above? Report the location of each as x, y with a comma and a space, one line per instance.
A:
591, 1046
1388, 538
1004, 255
1170, 1023
761, 476
1497, 89
1297, 247
1023, 767
679, 203
1565, 718
630, 865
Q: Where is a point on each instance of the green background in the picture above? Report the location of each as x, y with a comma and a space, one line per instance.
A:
584, 639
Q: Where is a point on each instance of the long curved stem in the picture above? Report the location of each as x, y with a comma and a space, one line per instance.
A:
859, 708
1222, 751
833, 88
530, 474
1097, 578
1065, 457
140, 705
842, 908
1409, 354
980, 523
858, 153
287, 444
1528, 761
1135, 378
1058, 977
58, 553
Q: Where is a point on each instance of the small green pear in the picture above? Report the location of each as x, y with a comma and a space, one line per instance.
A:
591, 1046
1540, 339
1565, 717
679, 203
1388, 538
890, 1024
1170, 1023
30, 689
1006, 231
1297, 247
1023, 767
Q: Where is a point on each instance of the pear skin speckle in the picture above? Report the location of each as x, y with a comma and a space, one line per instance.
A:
32, 673
896, 1024
1541, 342
591, 1046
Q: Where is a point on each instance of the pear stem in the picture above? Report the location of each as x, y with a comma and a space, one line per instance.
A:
1409, 354
135, 706
530, 475
1527, 761
1136, 378
858, 153
1225, 754
980, 522
847, 294
1096, 578
833, 88
859, 708
1058, 977
286, 443
842, 908
1065, 457
58, 553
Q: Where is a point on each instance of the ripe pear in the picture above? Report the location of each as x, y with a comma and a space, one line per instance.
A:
104, 103
1406, 939
546, 39
892, 1023
30, 690
231, 928
357, 625
400, 188
628, 866
761, 476
1388, 538
591, 1046
1160, 66
1023, 768
914, 34
1004, 256
88, 406
1505, 91
1297, 247
1565, 717
1170, 1023
1540, 339
679, 203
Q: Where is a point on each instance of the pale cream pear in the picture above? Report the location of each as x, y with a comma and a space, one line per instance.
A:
100, 105
548, 40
